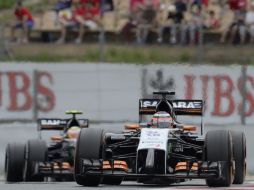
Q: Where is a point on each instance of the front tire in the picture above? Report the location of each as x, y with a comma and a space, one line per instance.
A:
89, 146
36, 151
239, 147
219, 147
14, 162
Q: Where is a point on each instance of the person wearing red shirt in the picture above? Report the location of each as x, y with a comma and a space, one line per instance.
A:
134, 4
236, 5
70, 18
24, 20
91, 11
81, 16
92, 18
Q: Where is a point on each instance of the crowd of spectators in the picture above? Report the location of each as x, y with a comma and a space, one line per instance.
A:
183, 23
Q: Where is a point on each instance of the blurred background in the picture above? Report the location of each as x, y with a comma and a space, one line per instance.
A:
101, 56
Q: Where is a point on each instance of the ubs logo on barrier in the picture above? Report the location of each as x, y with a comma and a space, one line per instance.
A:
19, 91
221, 89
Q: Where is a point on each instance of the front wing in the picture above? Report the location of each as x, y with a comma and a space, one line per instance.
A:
49, 169
205, 170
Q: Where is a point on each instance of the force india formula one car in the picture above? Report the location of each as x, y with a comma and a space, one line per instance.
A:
35, 160
163, 151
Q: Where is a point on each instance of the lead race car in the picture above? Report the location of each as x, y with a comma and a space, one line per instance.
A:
37, 159
162, 151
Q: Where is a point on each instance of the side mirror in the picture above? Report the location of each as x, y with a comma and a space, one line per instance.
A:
178, 125
144, 125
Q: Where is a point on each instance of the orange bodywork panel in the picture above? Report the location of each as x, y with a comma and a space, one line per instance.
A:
181, 166
118, 164
65, 165
56, 138
189, 128
194, 166
56, 166
131, 126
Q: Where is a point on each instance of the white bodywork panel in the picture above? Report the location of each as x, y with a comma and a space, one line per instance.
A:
153, 139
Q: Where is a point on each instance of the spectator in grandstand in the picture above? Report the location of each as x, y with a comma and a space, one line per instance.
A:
249, 20
92, 15
71, 18
148, 20
238, 26
211, 21
59, 6
81, 16
23, 20
104, 5
135, 4
174, 21
192, 25
237, 5
133, 15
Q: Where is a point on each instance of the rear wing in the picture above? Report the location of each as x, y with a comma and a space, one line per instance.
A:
58, 124
181, 107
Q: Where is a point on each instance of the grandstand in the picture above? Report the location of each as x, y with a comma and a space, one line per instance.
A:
47, 29
46, 19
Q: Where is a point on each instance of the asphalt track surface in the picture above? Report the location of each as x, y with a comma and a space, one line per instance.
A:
192, 185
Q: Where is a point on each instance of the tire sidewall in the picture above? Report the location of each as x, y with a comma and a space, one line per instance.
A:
219, 147
33, 147
82, 151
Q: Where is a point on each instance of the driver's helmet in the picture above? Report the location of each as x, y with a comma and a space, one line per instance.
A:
73, 132
162, 119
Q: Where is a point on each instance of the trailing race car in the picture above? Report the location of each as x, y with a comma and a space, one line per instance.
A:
162, 151
36, 160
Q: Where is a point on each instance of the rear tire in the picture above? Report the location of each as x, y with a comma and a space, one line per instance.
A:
239, 147
14, 162
89, 146
36, 151
219, 147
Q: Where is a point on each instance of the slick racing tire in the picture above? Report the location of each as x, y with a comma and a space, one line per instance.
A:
35, 152
14, 162
89, 146
219, 147
239, 149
